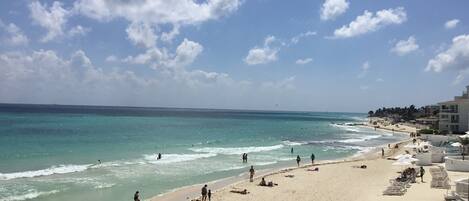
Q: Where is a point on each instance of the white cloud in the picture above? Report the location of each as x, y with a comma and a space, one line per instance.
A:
262, 55
304, 61
111, 58
404, 47
44, 77
364, 69
141, 34
297, 38
53, 18
369, 22
185, 54
456, 57
333, 8
380, 80
78, 31
14, 34
158, 12
451, 24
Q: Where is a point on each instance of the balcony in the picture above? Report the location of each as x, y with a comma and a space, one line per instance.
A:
449, 110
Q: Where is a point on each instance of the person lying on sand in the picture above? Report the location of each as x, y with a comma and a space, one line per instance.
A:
244, 192
269, 184
315, 169
360, 166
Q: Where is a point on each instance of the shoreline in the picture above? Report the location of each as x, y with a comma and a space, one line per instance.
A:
192, 192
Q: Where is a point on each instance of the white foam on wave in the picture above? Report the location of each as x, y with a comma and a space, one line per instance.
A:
346, 127
175, 158
61, 169
362, 138
236, 150
293, 143
31, 194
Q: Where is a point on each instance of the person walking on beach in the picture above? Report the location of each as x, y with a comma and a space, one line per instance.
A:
422, 172
251, 174
382, 152
136, 196
204, 193
312, 158
209, 195
298, 159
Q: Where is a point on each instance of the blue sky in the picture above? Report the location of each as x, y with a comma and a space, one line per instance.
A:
334, 55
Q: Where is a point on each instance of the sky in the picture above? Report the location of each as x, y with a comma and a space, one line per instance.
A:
302, 55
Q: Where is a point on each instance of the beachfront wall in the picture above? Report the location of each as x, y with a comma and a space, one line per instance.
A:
437, 140
455, 163
424, 159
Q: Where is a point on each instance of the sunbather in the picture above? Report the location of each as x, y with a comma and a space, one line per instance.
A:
269, 184
244, 192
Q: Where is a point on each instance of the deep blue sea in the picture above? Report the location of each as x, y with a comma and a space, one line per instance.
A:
50, 152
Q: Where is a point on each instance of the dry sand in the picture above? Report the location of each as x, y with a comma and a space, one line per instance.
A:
335, 181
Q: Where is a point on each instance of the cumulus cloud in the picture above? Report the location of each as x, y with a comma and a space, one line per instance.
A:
156, 58
456, 57
333, 8
264, 54
141, 34
404, 47
450, 24
371, 22
13, 34
44, 77
78, 31
53, 18
157, 12
304, 61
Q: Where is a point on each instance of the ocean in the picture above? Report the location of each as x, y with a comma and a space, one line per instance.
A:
51, 152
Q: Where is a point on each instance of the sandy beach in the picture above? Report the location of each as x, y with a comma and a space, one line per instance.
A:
382, 124
335, 180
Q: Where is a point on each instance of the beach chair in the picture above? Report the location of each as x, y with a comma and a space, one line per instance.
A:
394, 190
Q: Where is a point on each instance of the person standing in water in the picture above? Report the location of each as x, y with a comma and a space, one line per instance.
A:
251, 174
291, 150
312, 158
298, 159
159, 156
136, 196
246, 157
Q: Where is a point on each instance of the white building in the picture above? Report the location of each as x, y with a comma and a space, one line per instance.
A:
454, 114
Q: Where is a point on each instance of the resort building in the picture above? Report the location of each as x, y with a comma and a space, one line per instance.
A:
454, 114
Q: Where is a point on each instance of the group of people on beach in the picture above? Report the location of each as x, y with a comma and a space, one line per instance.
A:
206, 193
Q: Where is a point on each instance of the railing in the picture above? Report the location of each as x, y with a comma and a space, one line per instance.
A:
449, 110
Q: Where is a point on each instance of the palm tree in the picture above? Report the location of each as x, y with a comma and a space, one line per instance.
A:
370, 114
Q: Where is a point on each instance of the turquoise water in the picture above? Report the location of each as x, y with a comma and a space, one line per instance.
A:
51, 152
